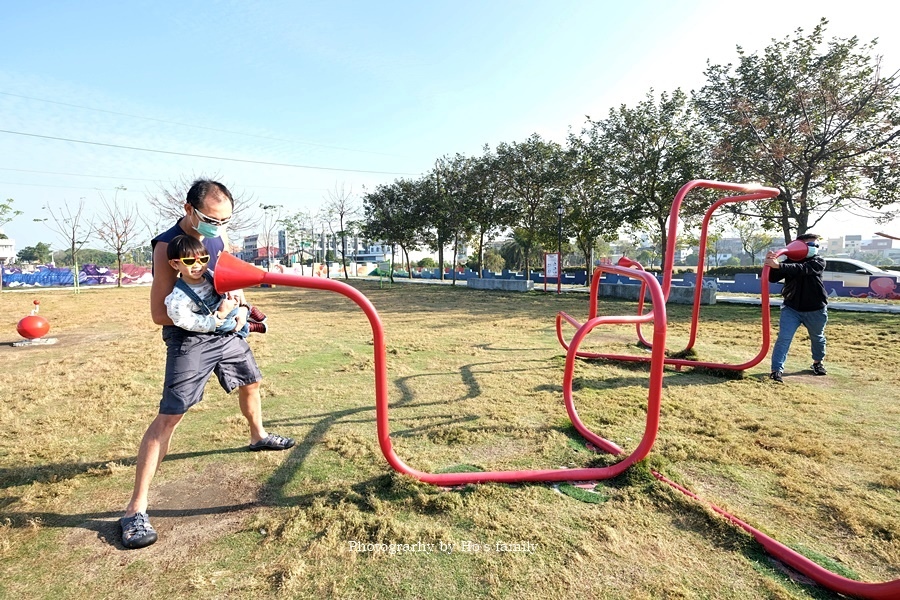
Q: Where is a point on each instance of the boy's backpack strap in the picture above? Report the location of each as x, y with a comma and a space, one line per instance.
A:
181, 285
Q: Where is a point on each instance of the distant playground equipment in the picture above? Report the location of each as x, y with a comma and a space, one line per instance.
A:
383, 270
232, 274
33, 328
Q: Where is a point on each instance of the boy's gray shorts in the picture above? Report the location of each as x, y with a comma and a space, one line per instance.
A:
191, 357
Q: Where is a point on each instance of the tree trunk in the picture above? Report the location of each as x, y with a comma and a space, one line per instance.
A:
344, 251
455, 250
481, 255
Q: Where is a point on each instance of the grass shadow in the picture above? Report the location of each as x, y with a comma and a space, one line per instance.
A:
51, 473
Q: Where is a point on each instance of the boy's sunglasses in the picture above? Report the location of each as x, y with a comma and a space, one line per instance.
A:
189, 261
210, 220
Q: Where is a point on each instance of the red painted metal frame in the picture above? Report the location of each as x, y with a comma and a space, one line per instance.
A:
232, 274
748, 193
888, 590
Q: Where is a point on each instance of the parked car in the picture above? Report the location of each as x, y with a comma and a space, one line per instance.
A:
854, 273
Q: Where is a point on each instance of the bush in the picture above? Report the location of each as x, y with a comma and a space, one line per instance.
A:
730, 271
427, 263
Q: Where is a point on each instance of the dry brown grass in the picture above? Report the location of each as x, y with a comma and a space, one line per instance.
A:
475, 380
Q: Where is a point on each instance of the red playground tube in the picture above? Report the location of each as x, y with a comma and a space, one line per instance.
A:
232, 274
748, 192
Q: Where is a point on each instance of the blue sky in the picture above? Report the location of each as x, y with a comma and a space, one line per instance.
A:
364, 92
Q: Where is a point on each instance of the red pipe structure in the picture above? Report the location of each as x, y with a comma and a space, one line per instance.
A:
795, 250
232, 274
888, 590
749, 192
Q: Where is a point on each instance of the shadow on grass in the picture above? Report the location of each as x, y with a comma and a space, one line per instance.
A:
54, 472
487, 304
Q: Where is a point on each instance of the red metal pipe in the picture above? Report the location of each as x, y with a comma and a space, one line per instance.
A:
750, 192
232, 273
889, 590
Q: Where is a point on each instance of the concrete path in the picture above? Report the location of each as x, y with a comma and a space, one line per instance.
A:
879, 307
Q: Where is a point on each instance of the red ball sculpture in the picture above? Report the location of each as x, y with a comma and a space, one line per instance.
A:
33, 327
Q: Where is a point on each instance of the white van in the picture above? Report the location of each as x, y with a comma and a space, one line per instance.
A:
854, 273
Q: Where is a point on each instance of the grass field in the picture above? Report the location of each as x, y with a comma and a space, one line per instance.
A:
475, 382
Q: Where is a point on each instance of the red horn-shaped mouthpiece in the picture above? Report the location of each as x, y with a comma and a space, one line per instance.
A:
234, 274
796, 250
624, 261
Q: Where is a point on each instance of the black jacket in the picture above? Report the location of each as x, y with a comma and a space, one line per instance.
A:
803, 288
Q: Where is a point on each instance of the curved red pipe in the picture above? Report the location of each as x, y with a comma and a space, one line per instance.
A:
889, 590
232, 273
750, 192
657, 367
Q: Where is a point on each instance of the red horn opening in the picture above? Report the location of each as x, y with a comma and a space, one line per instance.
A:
796, 250
234, 274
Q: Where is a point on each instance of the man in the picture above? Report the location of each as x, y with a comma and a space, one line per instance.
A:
805, 303
191, 357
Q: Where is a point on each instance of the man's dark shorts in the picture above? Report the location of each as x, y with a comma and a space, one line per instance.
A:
191, 357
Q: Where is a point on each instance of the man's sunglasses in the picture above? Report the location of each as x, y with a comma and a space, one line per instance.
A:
210, 220
189, 261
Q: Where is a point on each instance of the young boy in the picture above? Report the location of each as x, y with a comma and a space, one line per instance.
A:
194, 304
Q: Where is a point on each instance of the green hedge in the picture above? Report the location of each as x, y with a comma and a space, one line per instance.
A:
732, 270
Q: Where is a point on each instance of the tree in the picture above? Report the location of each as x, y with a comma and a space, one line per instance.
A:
713, 238
393, 216
7, 214
341, 206
753, 240
454, 205
489, 210
73, 227
39, 253
531, 172
819, 120
102, 258
169, 202
492, 261
117, 228
513, 251
438, 196
297, 234
591, 214
652, 150
271, 218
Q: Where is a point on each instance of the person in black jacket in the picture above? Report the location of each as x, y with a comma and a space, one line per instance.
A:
805, 303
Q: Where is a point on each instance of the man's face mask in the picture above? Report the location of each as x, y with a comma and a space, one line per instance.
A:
813, 249
207, 230
209, 227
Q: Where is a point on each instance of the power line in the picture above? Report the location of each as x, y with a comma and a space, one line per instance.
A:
252, 135
67, 187
74, 174
89, 176
171, 152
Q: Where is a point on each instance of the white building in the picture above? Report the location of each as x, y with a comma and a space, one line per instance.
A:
7, 250
377, 252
